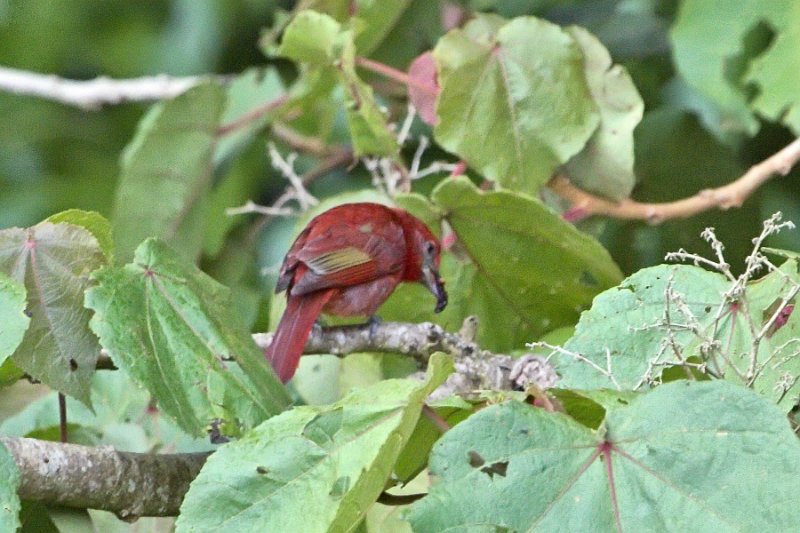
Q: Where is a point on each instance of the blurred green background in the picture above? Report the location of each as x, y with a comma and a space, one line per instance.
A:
53, 157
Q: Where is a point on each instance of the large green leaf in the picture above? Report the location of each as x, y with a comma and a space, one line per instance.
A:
605, 165
710, 42
250, 92
320, 42
514, 100
311, 468
54, 262
9, 501
622, 342
170, 326
13, 320
688, 456
166, 171
523, 271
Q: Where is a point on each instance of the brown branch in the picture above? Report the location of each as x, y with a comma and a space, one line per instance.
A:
83, 477
731, 195
252, 115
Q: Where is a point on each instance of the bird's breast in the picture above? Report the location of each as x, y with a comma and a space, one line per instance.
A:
363, 299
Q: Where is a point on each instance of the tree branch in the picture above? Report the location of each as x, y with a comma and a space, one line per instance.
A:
93, 94
584, 204
83, 477
475, 368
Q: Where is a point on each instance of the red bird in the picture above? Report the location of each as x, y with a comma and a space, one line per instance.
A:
347, 262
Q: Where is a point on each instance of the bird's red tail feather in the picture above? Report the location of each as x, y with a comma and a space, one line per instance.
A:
293, 330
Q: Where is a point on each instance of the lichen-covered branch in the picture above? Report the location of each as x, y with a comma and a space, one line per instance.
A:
475, 368
584, 204
127, 484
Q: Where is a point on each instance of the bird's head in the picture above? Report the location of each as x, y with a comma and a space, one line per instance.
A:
422, 257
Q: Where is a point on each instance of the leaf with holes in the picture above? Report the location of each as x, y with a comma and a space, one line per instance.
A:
169, 325
334, 460
9, 501
54, 261
719, 458
514, 101
623, 341
516, 265
725, 53
13, 320
166, 173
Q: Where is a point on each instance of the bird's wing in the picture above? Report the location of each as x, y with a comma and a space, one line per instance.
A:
343, 255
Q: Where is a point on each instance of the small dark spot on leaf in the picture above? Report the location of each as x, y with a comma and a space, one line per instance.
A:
588, 279
708, 309
262, 470
622, 401
28, 313
524, 431
475, 459
73, 365
500, 468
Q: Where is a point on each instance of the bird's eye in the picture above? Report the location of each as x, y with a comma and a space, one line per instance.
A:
430, 248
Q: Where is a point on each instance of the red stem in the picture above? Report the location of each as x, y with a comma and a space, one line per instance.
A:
394, 74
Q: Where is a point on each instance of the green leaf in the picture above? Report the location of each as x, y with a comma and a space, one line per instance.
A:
169, 325
320, 42
688, 456
312, 38
247, 93
375, 19
626, 331
514, 101
13, 320
54, 262
516, 265
712, 54
93, 222
605, 165
9, 501
166, 171
310, 469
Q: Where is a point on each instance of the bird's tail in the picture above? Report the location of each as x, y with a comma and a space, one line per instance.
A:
293, 330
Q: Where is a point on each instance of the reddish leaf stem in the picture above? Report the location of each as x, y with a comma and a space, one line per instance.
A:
605, 448
253, 114
394, 74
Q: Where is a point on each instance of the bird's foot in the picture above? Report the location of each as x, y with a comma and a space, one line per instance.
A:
373, 322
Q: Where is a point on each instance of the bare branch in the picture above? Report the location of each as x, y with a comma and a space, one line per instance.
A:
127, 484
93, 94
725, 197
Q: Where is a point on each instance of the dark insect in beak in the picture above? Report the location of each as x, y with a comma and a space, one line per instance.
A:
436, 286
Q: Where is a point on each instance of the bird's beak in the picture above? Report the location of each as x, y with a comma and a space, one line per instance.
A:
430, 277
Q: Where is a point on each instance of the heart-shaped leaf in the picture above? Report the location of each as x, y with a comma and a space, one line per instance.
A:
687, 456
169, 325
516, 265
514, 101
662, 316
54, 261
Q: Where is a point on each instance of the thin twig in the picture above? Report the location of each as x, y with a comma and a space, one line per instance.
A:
725, 197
